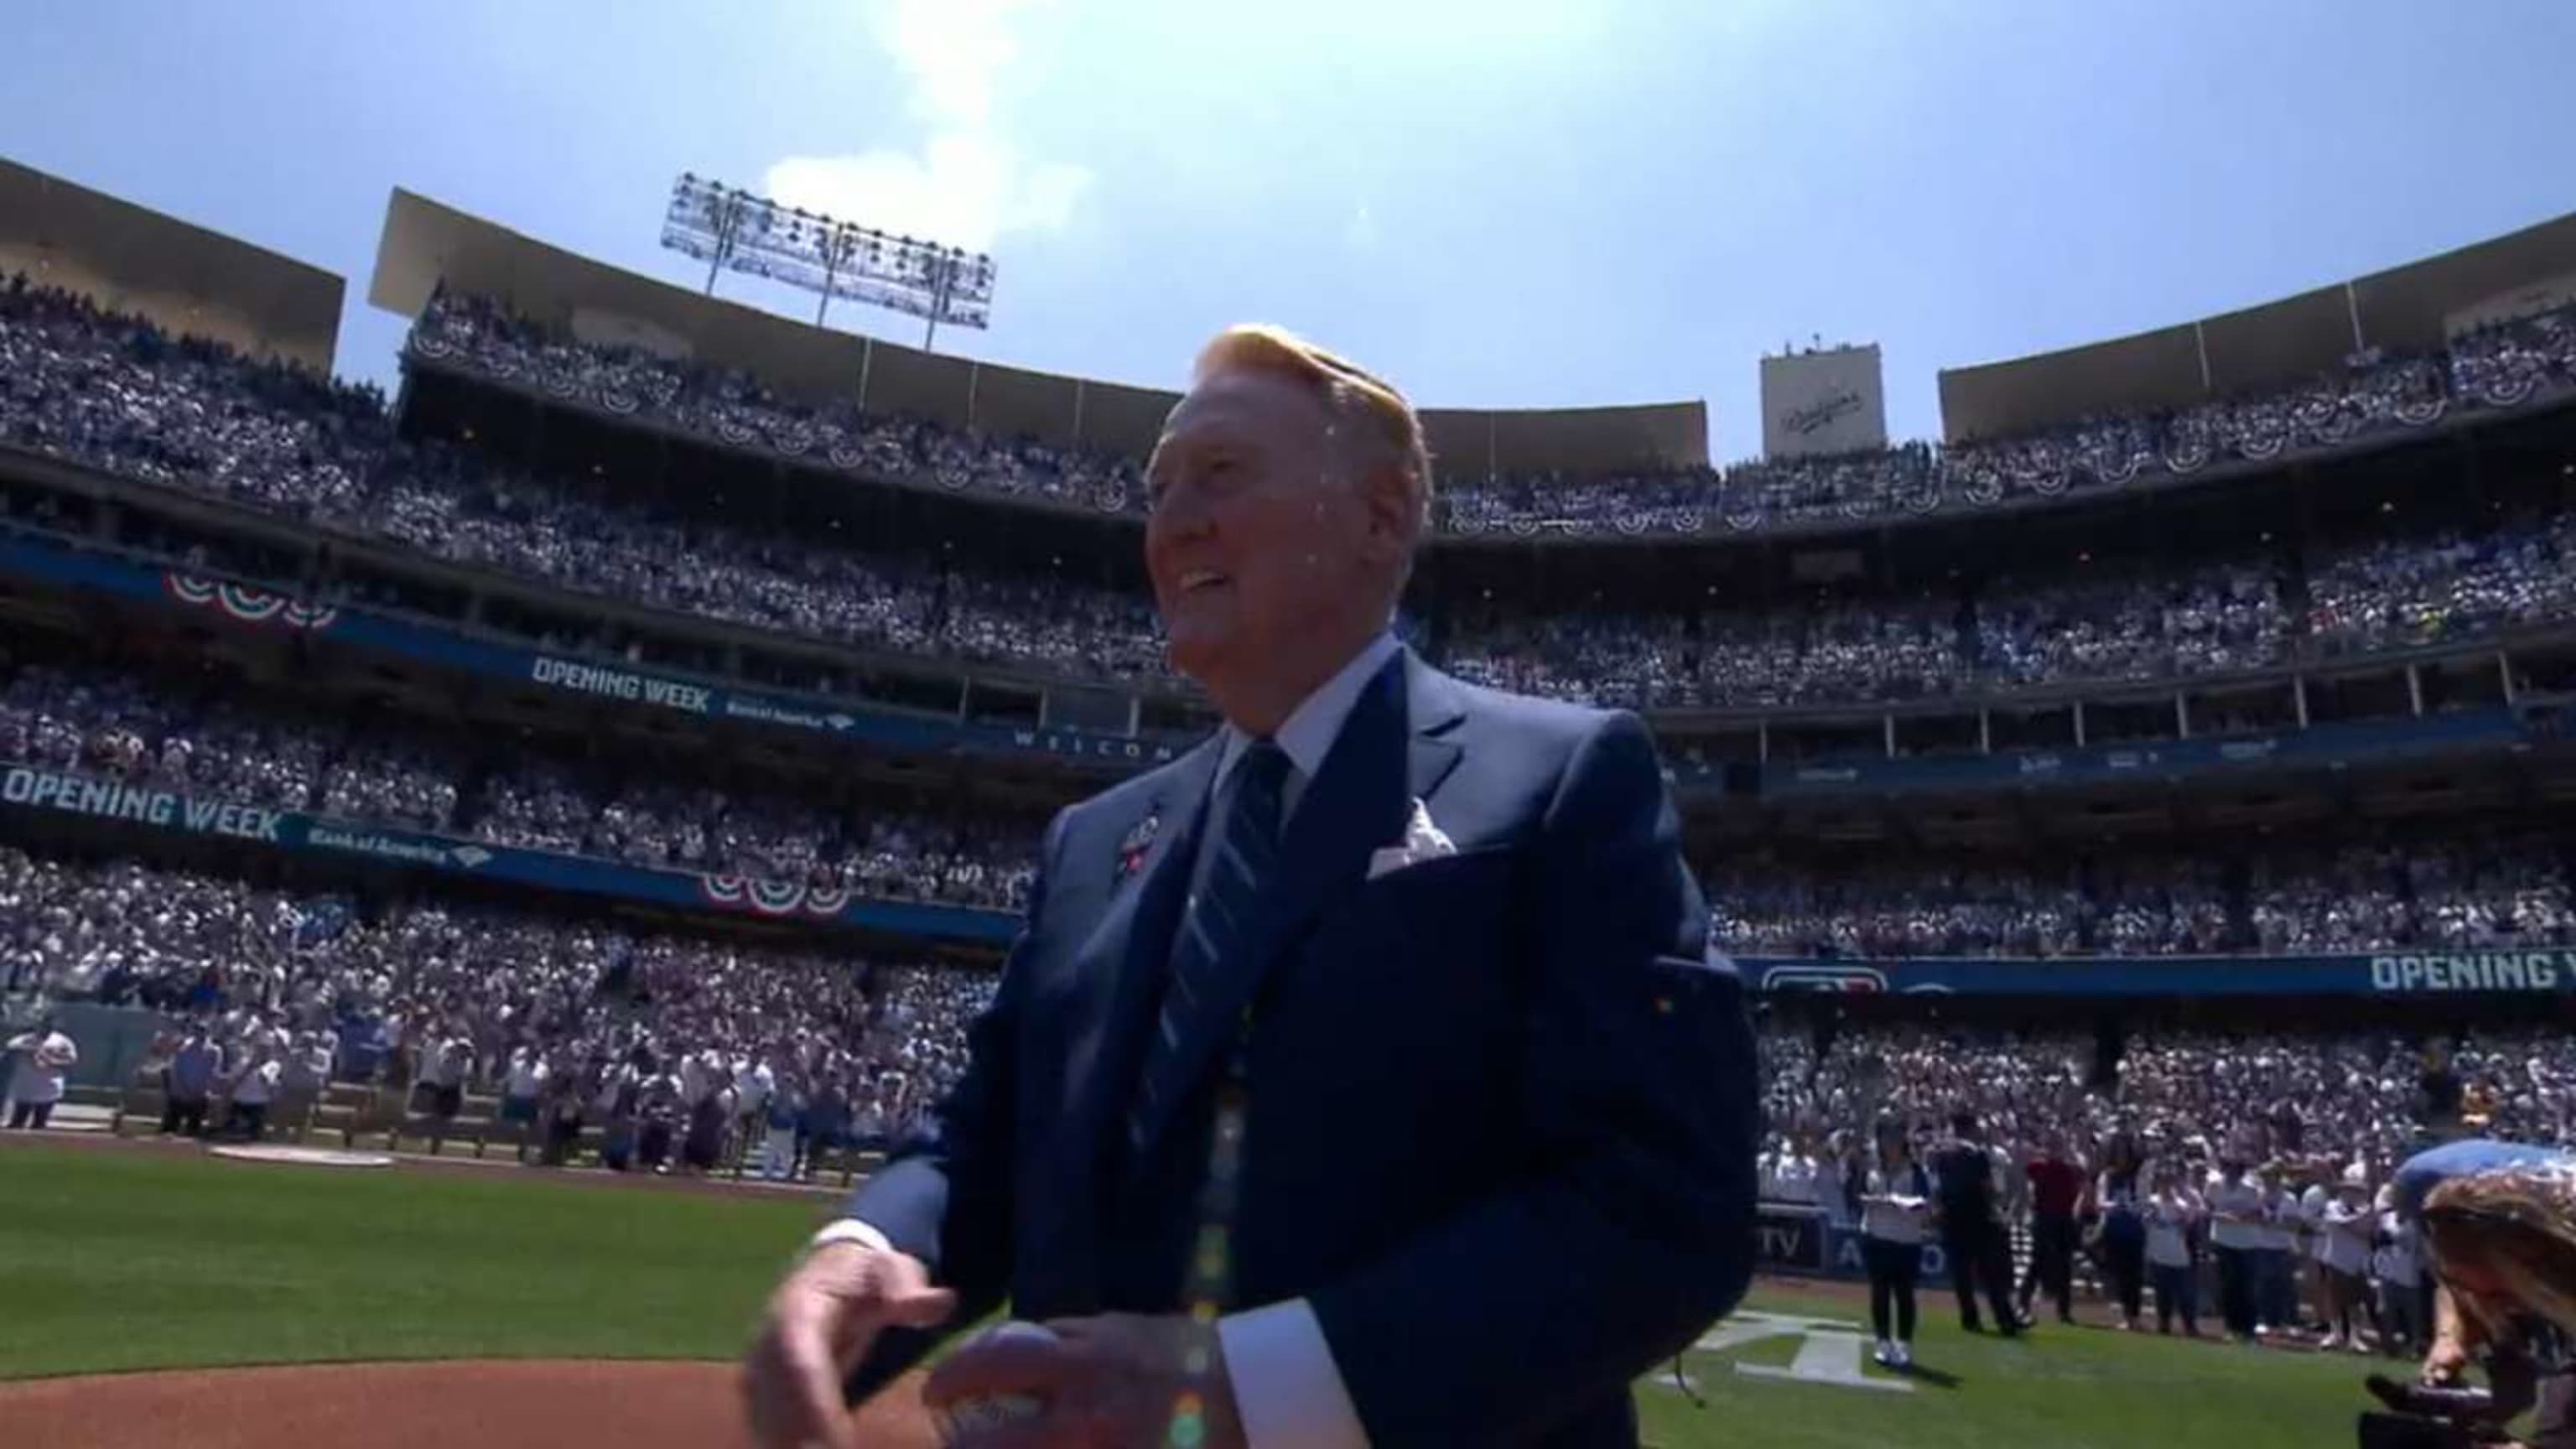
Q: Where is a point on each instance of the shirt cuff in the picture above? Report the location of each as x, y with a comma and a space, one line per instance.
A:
850, 1230
1287, 1391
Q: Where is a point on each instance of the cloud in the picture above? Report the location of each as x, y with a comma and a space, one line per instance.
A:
966, 184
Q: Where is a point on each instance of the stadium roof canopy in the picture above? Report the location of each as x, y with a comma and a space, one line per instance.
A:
425, 243
186, 278
2412, 308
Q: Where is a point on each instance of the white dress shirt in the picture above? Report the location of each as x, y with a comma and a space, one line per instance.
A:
1893, 1213
2169, 1216
258, 1084
2312, 1213
2397, 1262
2345, 1239
1307, 735
2280, 1220
1287, 1390
43, 1059
2244, 1201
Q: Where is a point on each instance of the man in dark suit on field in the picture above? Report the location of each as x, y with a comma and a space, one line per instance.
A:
1972, 1232
1362, 1077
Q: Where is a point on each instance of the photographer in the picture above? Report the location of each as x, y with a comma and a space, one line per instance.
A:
2499, 1232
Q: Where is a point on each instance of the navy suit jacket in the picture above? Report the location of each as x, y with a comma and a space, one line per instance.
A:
1501, 1110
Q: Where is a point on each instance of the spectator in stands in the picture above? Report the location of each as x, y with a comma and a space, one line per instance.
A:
823, 1125
2346, 1230
523, 1089
562, 1110
253, 1087
2122, 1232
2236, 1204
113, 392
2173, 1211
446, 1063
710, 1118
781, 1113
44, 1058
304, 1074
2056, 1195
2396, 1270
2276, 1295
188, 1082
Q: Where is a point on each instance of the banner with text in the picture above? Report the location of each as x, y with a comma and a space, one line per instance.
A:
2529, 972
250, 606
645, 689
37, 788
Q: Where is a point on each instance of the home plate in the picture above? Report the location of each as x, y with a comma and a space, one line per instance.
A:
301, 1156
1827, 1358
1829, 1352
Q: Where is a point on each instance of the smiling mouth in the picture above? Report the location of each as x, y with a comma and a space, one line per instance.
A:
1194, 581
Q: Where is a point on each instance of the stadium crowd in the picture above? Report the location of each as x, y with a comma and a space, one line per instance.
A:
116, 392
291, 991
690, 1049
2264, 1154
111, 724
2500, 366
2463, 891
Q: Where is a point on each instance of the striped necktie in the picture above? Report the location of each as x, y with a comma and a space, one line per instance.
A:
1214, 928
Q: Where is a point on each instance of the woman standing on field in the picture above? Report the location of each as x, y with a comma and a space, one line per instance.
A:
1895, 1205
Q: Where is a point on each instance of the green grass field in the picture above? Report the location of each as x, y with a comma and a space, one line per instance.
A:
143, 1259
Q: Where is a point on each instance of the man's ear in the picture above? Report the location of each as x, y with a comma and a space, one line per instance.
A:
1395, 520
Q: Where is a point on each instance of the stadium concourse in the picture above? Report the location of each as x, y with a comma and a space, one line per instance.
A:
633, 757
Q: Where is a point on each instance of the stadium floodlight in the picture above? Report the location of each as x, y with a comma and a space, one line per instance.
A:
731, 229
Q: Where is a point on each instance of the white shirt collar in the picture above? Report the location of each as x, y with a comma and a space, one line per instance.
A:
1308, 733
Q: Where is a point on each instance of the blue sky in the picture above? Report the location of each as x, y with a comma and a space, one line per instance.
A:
1495, 203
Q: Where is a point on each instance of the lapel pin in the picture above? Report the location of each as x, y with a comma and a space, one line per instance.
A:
1133, 846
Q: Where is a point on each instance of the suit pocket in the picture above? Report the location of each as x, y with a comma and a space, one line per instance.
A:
1430, 935
1433, 875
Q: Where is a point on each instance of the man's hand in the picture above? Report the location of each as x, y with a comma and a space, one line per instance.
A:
2447, 1362
1105, 1383
818, 1324
2456, 1339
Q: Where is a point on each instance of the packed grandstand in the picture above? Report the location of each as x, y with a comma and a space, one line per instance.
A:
611, 712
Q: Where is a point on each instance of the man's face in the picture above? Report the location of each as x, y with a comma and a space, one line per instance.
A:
1260, 542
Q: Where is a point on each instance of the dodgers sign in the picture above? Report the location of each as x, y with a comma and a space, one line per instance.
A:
1830, 401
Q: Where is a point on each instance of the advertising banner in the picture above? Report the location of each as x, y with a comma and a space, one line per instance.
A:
2542, 971
36, 788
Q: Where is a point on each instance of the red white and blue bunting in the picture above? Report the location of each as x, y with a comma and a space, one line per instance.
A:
246, 604
772, 898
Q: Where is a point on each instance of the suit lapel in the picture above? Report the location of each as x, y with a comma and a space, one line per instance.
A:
1390, 752
1432, 708
1126, 951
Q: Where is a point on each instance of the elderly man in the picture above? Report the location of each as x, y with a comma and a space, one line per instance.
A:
1361, 1077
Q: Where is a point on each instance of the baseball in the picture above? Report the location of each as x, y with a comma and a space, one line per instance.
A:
967, 1417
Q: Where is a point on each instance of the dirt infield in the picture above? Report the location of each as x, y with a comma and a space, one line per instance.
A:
515, 1404
823, 1194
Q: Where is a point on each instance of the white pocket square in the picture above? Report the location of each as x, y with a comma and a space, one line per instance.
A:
1422, 841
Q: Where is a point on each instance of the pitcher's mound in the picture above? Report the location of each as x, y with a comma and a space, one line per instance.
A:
484, 1404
